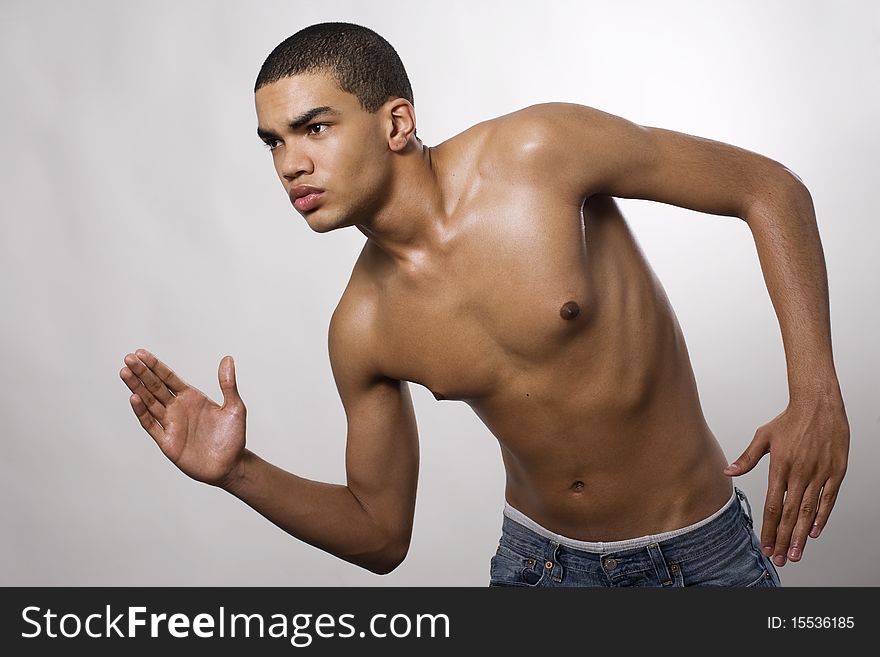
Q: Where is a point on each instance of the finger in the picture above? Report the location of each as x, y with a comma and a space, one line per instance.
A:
750, 457
806, 516
160, 369
790, 510
151, 381
228, 385
148, 422
826, 503
134, 384
772, 509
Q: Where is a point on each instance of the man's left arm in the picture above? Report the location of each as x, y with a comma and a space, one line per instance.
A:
809, 440
599, 153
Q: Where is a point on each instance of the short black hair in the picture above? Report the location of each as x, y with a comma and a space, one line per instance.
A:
362, 62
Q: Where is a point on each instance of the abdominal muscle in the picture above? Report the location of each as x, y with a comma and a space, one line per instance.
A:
613, 478
606, 440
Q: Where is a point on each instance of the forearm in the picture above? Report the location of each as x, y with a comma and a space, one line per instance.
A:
783, 225
327, 516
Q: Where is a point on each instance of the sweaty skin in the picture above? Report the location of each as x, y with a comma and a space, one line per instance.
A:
546, 319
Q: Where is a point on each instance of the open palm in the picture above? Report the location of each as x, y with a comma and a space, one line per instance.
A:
203, 439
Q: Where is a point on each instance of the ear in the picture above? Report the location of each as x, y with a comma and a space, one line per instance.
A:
402, 124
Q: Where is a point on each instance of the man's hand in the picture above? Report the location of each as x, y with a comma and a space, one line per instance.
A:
809, 447
204, 440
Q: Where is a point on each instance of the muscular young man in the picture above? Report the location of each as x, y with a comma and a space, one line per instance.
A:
498, 270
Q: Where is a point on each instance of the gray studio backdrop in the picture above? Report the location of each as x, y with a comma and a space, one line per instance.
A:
140, 210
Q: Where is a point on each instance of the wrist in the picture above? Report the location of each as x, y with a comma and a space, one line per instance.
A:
238, 475
825, 391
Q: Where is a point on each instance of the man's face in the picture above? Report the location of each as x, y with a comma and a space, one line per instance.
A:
343, 150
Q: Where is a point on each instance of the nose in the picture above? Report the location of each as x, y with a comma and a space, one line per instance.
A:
295, 163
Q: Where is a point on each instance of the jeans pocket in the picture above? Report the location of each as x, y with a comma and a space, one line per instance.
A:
765, 580
510, 568
731, 562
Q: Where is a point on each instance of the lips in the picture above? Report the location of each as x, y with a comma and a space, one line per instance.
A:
305, 197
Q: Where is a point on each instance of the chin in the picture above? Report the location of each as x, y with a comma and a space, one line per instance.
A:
322, 223
322, 229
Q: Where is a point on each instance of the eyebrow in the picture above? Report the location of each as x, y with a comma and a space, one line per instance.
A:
300, 121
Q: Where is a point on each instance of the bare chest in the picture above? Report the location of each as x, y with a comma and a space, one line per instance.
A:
500, 303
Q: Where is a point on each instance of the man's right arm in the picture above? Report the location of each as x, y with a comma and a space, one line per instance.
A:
368, 521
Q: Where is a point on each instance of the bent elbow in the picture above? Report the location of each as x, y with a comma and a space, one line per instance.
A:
381, 561
781, 193
392, 560
384, 569
795, 176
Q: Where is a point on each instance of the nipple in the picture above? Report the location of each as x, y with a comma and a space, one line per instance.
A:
569, 310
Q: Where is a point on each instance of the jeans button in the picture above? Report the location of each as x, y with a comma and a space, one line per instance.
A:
611, 564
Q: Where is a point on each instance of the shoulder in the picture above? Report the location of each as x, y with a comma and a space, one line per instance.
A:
569, 146
543, 114
518, 133
544, 128
351, 336
530, 131
545, 140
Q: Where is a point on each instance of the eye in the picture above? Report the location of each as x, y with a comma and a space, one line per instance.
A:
316, 125
272, 144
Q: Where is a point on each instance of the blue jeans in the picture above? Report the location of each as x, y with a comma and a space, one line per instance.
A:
720, 550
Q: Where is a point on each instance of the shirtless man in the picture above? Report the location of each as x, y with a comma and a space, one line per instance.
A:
499, 271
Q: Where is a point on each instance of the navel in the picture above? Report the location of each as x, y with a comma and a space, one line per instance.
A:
577, 486
569, 310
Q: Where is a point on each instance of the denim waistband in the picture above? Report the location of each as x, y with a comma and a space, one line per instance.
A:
602, 547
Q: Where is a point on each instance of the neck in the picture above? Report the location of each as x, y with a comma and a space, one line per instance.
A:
409, 225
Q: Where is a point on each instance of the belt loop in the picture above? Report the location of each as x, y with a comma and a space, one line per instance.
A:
743, 498
660, 566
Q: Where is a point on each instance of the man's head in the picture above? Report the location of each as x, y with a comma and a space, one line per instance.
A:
361, 62
335, 105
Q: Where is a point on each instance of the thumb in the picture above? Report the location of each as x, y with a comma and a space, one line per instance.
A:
759, 446
226, 374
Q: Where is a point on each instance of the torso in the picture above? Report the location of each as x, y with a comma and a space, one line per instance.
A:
543, 315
